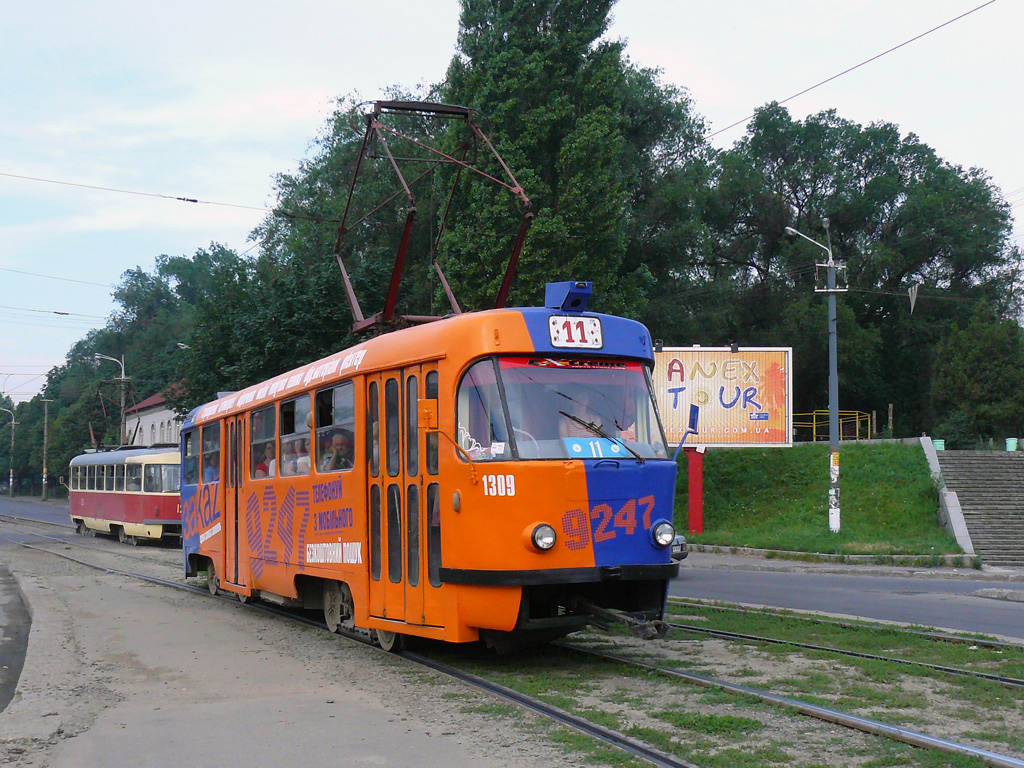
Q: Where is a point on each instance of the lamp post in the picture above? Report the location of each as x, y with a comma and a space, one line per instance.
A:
14, 423
46, 439
124, 382
833, 378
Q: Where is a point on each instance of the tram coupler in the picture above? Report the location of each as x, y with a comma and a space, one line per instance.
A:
645, 629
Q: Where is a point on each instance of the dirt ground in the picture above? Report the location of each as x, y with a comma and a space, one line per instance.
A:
124, 673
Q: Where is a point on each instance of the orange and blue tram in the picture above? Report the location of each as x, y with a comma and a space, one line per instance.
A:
132, 493
499, 475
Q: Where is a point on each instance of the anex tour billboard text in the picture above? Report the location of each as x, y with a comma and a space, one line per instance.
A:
742, 398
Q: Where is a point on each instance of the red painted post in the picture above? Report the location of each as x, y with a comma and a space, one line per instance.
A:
695, 486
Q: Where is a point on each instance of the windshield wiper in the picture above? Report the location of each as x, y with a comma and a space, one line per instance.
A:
601, 433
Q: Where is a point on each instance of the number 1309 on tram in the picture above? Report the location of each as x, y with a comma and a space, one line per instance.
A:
499, 476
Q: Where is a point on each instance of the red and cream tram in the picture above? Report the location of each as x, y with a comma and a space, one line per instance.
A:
132, 493
499, 475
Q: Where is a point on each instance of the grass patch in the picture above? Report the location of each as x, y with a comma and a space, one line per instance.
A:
715, 725
775, 499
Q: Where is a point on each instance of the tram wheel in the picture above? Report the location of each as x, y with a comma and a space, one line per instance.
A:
244, 599
133, 540
212, 579
122, 536
389, 641
81, 529
339, 608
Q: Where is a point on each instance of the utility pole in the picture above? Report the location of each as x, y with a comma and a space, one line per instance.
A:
46, 439
10, 484
124, 383
833, 375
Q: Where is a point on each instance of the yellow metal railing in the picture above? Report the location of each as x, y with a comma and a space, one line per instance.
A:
853, 425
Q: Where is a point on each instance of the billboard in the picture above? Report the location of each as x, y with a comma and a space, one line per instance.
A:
742, 398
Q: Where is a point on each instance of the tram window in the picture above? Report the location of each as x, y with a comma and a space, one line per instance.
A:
295, 423
211, 453
109, 479
392, 427
119, 477
434, 534
394, 533
170, 478
430, 393
373, 429
151, 479
412, 429
133, 478
335, 428
482, 429
90, 478
412, 532
262, 431
192, 457
375, 532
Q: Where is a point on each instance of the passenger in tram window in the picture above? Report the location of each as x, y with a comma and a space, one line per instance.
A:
263, 466
210, 473
302, 462
289, 458
271, 460
339, 455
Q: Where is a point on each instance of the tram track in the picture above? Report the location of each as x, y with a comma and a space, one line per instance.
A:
1012, 682
606, 736
855, 722
788, 613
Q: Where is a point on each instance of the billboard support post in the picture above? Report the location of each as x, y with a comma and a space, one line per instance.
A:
695, 488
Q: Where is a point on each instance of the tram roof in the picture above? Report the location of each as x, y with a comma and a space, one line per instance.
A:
122, 455
522, 330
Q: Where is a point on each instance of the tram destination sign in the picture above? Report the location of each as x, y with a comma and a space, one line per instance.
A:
743, 397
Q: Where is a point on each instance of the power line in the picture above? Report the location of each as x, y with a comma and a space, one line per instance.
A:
53, 312
858, 66
264, 209
51, 277
131, 192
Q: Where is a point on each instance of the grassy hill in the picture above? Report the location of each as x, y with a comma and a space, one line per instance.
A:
777, 498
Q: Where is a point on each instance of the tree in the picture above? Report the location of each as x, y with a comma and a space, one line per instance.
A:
596, 142
979, 375
898, 216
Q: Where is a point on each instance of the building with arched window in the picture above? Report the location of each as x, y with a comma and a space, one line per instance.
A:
152, 422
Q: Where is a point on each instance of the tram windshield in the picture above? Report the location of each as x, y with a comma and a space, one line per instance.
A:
543, 408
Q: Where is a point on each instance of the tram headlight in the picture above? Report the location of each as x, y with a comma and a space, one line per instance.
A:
543, 537
663, 533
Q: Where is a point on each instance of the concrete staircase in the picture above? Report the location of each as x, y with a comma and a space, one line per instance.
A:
990, 488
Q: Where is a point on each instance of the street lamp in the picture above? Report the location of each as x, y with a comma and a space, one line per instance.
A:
833, 378
124, 382
10, 484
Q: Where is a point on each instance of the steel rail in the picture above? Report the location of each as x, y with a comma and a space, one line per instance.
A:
604, 735
1009, 681
568, 719
791, 613
863, 724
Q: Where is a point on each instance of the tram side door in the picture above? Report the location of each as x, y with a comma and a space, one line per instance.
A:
421, 604
233, 534
386, 481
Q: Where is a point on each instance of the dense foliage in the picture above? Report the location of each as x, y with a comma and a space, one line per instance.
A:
625, 191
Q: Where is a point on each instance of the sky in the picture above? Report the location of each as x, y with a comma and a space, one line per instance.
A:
211, 100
